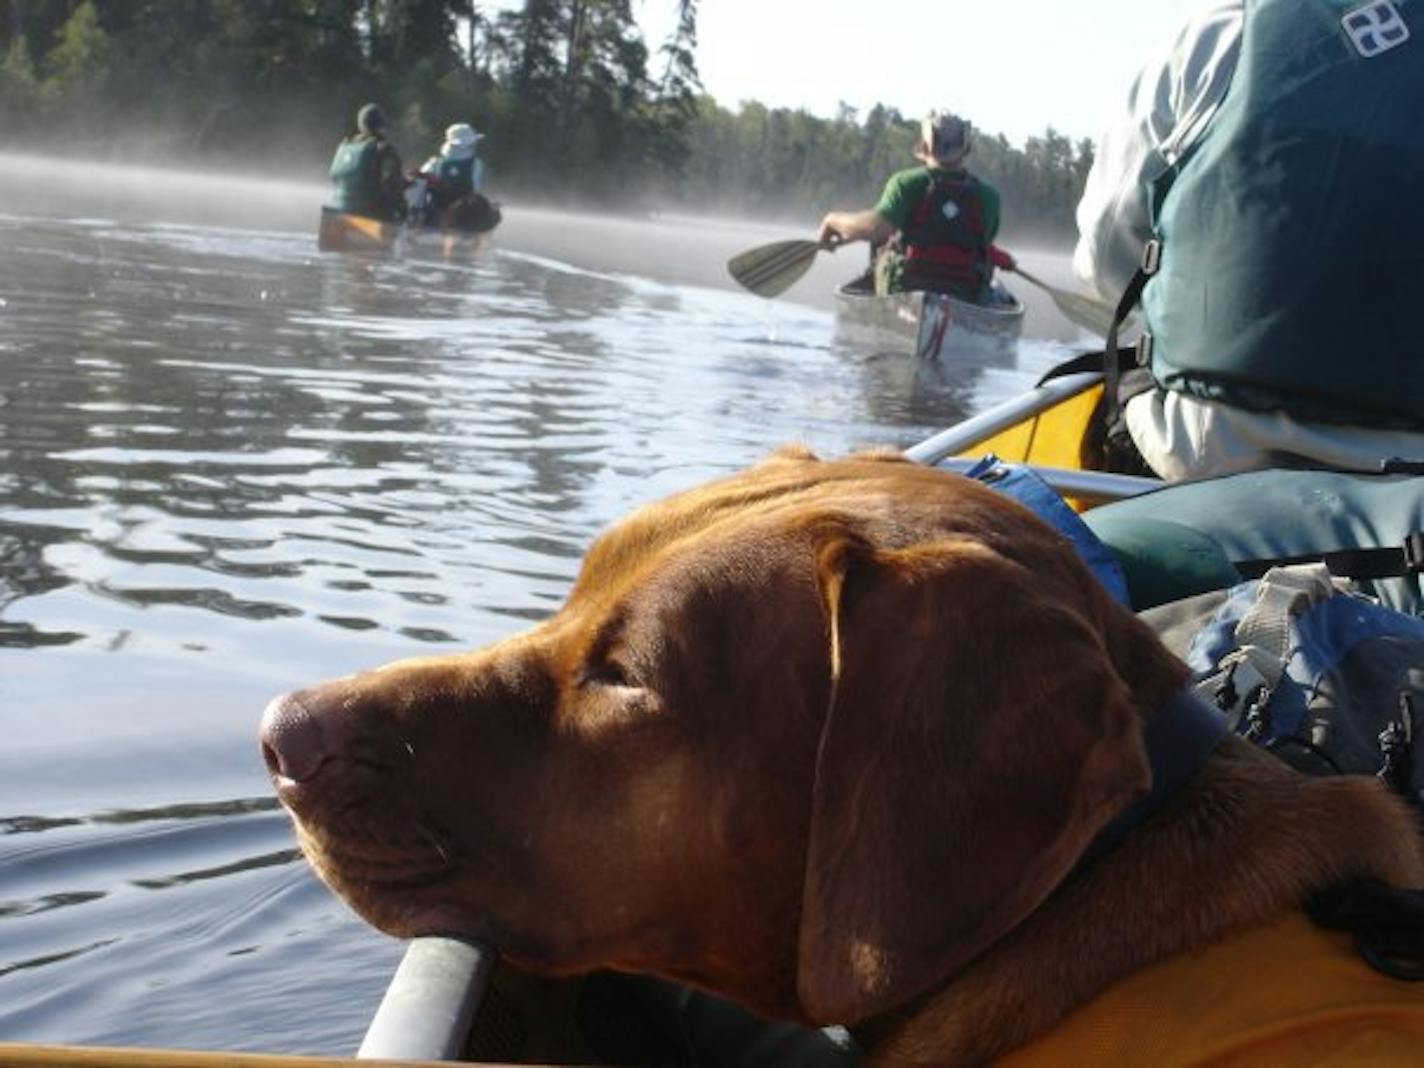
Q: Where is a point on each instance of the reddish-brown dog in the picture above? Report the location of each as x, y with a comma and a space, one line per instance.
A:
824, 738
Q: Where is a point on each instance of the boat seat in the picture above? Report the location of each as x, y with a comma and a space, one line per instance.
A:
1187, 537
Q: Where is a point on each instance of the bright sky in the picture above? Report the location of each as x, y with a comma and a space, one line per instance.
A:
1012, 66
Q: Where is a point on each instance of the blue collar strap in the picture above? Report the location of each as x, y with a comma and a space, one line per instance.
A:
1179, 736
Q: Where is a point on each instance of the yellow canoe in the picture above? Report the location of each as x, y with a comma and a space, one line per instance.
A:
343, 232
1045, 427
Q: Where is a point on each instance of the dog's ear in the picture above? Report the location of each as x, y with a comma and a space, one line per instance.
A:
977, 739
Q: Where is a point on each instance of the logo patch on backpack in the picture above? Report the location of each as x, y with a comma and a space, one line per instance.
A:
950, 210
1375, 28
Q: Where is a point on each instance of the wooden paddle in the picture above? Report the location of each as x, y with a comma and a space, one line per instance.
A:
1092, 315
770, 270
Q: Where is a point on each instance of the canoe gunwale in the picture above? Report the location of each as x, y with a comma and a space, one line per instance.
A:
430, 1002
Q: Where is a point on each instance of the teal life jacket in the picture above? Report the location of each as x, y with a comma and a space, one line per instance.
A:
457, 177
355, 186
1291, 237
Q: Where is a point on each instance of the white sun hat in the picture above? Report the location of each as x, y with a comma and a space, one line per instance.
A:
461, 135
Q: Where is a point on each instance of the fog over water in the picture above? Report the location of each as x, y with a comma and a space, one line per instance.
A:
231, 466
689, 250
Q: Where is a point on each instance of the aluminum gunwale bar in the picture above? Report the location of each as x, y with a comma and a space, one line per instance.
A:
1096, 486
430, 1002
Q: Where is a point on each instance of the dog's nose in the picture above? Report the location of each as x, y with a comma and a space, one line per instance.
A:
292, 741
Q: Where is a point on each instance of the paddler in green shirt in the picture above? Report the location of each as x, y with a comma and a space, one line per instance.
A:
933, 225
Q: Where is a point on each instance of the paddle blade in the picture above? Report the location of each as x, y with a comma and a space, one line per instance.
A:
770, 270
1092, 315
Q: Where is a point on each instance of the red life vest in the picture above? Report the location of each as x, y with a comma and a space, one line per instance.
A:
947, 251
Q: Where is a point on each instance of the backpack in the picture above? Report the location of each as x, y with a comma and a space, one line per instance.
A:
1329, 680
1325, 677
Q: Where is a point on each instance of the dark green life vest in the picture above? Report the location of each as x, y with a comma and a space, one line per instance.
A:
1292, 236
355, 184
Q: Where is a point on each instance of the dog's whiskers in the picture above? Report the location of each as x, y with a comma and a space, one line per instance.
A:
434, 840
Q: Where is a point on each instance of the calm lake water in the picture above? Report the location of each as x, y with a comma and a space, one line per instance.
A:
230, 466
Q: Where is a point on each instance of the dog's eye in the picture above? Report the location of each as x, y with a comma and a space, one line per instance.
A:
604, 673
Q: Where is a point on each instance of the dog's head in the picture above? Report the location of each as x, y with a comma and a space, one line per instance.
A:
811, 737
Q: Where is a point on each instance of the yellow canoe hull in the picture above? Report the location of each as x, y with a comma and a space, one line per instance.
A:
1052, 438
343, 232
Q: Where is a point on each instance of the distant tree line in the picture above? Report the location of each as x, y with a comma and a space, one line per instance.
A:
576, 106
761, 161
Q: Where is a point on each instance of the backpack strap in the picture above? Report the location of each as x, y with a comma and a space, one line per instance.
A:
1131, 296
1026, 486
1251, 672
1388, 924
1092, 360
1377, 563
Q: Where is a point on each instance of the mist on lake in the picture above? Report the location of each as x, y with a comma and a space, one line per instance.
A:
679, 248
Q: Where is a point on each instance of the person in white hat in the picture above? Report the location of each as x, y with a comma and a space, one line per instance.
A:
457, 171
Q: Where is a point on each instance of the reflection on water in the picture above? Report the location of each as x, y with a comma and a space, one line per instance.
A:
230, 466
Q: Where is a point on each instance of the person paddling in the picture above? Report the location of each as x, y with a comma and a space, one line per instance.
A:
456, 170
366, 174
1260, 190
453, 182
934, 225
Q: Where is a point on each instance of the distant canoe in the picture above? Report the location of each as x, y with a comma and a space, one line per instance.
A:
343, 232
932, 326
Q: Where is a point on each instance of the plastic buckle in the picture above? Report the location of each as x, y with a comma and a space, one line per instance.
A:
988, 468
1414, 552
1151, 256
1237, 687
1144, 349
1398, 465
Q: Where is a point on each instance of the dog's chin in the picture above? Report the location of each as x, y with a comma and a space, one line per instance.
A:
401, 896
403, 907
425, 921
409, 920
438, 910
